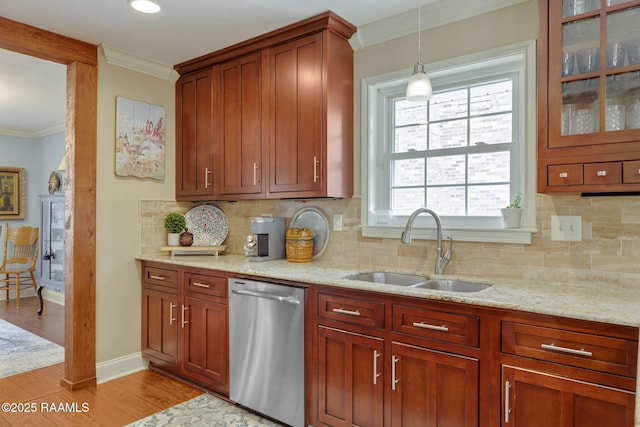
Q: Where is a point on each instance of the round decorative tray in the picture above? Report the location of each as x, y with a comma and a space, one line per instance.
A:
208, 224
314, 219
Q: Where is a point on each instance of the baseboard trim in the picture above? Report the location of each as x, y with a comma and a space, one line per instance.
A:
119, 367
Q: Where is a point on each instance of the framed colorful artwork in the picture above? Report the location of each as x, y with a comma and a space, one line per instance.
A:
12, 198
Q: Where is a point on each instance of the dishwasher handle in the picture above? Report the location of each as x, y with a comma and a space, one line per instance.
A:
264, 295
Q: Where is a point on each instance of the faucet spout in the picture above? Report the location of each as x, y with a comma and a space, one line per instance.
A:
441, 260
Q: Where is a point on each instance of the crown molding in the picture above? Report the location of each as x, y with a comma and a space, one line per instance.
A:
433, 15
36, 133
137, 63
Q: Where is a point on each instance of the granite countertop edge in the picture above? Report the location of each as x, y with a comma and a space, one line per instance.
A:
607, 305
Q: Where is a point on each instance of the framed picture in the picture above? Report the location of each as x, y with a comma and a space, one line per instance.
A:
11, 193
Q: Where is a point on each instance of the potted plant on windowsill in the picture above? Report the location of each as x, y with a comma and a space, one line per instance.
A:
174, 223
512, 214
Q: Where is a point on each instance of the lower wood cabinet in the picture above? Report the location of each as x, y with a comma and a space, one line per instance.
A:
538, 399
160, 326
185, 323
350, 382
432, 388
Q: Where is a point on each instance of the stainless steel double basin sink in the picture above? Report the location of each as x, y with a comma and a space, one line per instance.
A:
418, 281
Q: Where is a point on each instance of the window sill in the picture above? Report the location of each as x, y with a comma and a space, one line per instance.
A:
460, 234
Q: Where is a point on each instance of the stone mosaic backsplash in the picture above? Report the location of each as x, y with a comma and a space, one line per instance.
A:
608, 255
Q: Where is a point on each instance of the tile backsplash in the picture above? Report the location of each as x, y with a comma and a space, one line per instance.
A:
608, 255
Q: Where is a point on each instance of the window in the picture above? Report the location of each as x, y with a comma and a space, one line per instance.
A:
464, 154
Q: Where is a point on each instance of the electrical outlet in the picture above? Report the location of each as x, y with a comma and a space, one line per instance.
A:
566, 228
337, 222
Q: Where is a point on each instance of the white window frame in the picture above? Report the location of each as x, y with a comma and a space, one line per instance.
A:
490, 230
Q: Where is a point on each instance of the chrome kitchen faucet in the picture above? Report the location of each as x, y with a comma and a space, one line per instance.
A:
441, 260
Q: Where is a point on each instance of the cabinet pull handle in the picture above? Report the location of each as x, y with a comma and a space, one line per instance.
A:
255, 173
171, 318
349, 312
315, 169
423, 325
184, 322
157, 277
206, 177
394, 380
507, 403
601, 173
553, 347
201, 285
563, 174
375, 367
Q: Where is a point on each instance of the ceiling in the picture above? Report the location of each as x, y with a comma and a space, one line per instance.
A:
32, 92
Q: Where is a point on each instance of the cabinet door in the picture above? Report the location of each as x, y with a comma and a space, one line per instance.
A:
350, 381
295, 118
160, 326
205, 350
52, 242
194, 145
536, 399
238, 126
431, 388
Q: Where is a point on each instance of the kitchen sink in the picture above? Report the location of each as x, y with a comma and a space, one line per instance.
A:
452, 285
418, 281
400, 279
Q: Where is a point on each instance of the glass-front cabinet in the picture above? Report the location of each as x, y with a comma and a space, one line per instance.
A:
52, 242
589, 96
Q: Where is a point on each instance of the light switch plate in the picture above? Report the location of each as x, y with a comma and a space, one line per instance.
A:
337, 222
567, 228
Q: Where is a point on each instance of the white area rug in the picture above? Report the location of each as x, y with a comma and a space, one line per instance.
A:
205, 410
22, 351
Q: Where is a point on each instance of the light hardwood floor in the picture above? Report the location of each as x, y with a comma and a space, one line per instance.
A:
114, 403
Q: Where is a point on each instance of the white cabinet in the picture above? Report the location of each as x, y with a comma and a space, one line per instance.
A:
52, 242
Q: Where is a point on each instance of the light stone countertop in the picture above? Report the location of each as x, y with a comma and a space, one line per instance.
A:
616, 306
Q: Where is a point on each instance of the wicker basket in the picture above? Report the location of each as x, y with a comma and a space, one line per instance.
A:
299, 245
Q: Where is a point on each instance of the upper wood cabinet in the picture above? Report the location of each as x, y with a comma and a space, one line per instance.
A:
282, 116
194, 149
588, 96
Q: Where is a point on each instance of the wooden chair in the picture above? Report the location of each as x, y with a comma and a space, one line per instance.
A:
19, 260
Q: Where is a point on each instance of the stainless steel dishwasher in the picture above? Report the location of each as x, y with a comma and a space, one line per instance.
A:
266, 349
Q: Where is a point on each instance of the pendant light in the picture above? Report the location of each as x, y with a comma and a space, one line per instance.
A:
419, 86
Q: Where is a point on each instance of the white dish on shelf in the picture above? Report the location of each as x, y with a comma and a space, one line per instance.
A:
208, 224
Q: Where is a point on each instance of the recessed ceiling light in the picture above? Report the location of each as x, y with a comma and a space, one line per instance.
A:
144, 6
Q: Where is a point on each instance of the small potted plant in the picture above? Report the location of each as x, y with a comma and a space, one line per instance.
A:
512, 214
175, 223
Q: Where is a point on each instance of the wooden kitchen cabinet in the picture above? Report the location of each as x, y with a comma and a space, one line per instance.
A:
184, 323
408, 354
282, 117
237, 116
194, 144
160, 313
350, 382
588, 96
433, 388
537, 399
574, 373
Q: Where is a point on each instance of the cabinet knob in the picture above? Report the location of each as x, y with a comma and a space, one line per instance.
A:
563, 174
601, 173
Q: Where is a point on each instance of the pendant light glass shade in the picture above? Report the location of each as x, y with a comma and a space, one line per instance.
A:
419, 86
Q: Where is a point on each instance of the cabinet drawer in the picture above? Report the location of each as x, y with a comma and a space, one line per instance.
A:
582, 350
350, 310
444, 326
565, 174
603, 173
205, 284
631, 172
160, 276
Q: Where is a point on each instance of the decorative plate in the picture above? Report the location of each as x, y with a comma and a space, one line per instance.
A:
208, 224
314, 219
